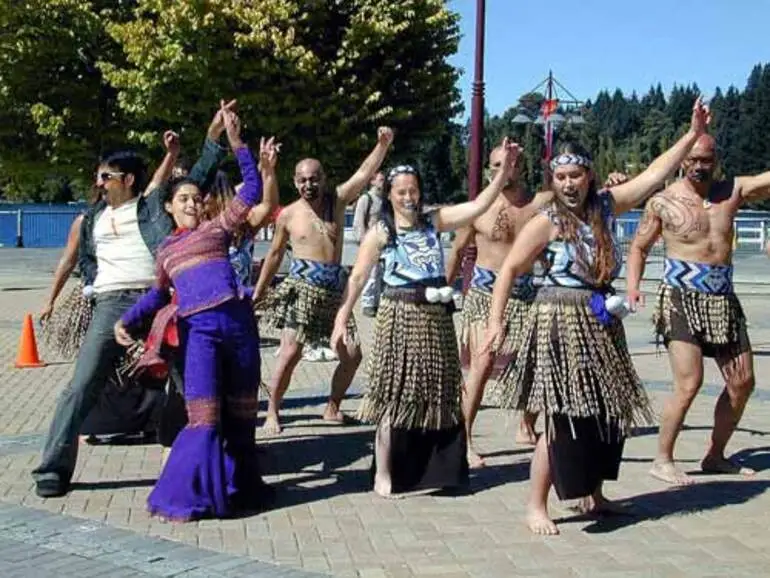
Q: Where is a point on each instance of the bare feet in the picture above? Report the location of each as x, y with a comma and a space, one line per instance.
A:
526, 436
333, 414
598, 505
721, 465
272, 425
669, 473
475, 461
538, 522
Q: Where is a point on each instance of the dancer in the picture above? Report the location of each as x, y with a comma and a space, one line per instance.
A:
117, 240
303, 306
573, 363
414, 367
493, 233
212, 469
697, 313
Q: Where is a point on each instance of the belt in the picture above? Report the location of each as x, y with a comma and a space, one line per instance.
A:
420, 294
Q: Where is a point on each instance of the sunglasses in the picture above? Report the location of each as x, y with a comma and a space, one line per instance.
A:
107, 175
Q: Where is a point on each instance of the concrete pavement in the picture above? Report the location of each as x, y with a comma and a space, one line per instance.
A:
326, 521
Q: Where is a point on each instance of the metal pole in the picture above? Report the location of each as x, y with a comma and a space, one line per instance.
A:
19, 235
477, 130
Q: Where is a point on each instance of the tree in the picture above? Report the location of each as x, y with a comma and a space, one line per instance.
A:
319, 75
57, 114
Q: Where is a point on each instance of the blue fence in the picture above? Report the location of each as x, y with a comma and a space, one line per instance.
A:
39, 226
30, 225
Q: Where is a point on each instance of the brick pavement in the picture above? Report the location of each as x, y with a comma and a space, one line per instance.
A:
326, 520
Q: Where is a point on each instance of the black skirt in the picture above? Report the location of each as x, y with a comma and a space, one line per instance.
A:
583, 452
425, 459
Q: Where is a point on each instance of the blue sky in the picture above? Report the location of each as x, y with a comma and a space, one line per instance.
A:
602, 44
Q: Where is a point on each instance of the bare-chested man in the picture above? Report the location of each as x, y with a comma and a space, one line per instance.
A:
304, 305
697, 313
493, 234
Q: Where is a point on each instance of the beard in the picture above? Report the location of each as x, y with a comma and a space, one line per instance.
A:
310, 192
699, 175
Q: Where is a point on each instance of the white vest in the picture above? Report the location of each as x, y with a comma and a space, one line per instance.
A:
122, 257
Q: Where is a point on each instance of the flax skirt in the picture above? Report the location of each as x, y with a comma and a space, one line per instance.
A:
580, 375
414, 396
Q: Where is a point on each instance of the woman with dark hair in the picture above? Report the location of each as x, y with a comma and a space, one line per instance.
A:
574, 365
212, 469
414, 368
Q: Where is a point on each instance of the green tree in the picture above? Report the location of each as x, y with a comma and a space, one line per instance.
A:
319, 75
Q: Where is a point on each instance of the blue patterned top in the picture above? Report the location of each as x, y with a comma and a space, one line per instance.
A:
416, 257
564, 267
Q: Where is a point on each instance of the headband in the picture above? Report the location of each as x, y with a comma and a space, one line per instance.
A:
571, 159
400, 170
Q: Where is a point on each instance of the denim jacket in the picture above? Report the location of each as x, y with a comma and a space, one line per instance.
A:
155, 224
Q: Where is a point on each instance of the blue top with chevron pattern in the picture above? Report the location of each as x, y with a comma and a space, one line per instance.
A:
416, 258
565, 269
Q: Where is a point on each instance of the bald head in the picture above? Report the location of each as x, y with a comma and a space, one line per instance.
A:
700, 164
309, 178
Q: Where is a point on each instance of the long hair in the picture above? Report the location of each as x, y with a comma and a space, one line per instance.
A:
604, 261
386, 216
218, 197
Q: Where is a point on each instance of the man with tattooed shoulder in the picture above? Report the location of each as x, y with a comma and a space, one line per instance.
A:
697, 313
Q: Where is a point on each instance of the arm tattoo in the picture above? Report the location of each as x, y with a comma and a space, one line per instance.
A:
647, 224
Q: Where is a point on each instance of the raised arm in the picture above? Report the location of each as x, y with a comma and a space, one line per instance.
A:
351, 188
647, 233
65, 267
455, 260
454, 217
527, 247
163, 172
274, 256
251, 192
368, 254
754, 188
632, 193
268, 162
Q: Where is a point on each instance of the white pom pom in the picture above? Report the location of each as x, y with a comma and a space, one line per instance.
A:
88, 291
617, 306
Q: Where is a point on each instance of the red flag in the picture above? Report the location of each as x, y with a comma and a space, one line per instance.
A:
549, 107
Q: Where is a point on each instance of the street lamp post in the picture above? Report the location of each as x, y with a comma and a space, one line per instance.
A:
550, 117
477, 130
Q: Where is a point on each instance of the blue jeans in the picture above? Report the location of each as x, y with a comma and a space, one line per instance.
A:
95, 362
370, 297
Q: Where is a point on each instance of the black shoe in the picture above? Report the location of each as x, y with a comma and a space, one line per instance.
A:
51, 489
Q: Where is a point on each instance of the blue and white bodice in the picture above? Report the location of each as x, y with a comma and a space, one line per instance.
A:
565, 268
416, 258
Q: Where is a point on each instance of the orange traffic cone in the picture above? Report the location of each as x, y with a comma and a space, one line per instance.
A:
28, 356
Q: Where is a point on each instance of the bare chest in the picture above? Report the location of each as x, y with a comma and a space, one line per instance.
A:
308, 228
501, 224
688, 218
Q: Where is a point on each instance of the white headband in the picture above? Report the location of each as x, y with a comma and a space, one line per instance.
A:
571, 159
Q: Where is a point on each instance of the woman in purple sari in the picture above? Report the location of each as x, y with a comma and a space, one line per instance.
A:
212, 470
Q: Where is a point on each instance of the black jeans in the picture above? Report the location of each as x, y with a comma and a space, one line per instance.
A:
95, 362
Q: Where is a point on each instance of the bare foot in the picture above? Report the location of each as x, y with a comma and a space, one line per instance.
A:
538, 522
475, 461
599, 506
272, 426
720, 465
333, 414
526, 437
382, 486
668, 472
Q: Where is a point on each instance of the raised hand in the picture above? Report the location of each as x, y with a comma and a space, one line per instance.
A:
511, 156
701, 117
171, 142
233, 128
268, 153
385, 135
217, 126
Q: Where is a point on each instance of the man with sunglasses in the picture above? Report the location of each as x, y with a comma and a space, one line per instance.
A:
118, 240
